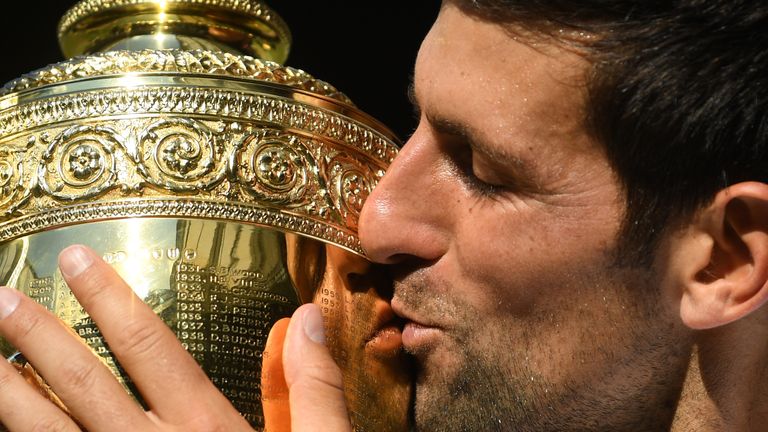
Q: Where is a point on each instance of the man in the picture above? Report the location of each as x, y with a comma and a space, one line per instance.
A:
578, 223
517, 237
577, 228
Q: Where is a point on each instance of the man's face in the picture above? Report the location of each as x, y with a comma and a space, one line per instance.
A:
501, 217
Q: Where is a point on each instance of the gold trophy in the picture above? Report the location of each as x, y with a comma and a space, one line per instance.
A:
223, 186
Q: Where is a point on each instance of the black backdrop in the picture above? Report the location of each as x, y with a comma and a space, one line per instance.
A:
365, 48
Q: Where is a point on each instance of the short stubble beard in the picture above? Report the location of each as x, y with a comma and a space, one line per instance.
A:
495, 388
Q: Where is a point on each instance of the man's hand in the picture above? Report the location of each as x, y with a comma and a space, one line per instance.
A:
311, 383
179, 395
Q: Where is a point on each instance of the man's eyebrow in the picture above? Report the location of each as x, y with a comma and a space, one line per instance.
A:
448, 127
445, 126
522, 168
412, 98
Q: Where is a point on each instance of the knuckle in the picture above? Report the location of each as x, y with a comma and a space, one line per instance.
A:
27, 325
7, 377
137, 338
56, 424
211, 426
75, 375
206, 422
321, 374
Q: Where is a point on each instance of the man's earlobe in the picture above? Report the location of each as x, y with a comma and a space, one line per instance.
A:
725, 258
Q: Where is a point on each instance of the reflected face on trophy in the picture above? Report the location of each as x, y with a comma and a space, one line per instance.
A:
214, 294
365, 340
363, 333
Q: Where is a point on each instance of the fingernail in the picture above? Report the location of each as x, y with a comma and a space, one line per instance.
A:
74, 260
313, 324
9, 300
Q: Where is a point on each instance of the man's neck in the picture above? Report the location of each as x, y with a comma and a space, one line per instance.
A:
726, 387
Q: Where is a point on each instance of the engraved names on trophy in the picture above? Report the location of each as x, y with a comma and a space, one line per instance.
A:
220, 286
223, 319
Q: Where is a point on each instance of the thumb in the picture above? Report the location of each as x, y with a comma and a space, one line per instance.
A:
274, 390
314, 381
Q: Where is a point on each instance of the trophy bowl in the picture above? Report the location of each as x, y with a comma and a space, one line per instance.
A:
224, 188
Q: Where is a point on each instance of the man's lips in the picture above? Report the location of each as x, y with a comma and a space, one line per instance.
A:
388, 339
417, 336
418, 333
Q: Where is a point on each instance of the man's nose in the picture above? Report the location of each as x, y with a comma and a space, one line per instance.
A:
406, 215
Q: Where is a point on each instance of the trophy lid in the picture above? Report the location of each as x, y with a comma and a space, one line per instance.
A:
242, 26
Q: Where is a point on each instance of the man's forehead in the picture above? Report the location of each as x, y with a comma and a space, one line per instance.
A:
477, 73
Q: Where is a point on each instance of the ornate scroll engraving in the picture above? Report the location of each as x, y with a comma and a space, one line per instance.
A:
278, 168
79, 163
248, 151
180, 155
13, 191
184, 168
266, 108
351, 186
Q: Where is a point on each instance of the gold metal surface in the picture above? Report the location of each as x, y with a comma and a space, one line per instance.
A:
224, 188
222, 142
219, 285
184, 64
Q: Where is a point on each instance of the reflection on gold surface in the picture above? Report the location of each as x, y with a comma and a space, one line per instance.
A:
248, 27
363, 333
221, 286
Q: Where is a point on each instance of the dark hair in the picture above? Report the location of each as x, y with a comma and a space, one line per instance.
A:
678, 96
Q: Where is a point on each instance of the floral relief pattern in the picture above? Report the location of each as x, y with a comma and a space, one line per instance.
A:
85, 162
354, 190
12, 190
279, 168
181, 155
79, 163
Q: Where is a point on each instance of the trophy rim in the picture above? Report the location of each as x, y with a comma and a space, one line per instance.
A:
329, 99
173, 61
182, 209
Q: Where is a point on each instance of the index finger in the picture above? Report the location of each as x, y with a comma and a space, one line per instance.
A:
165, 374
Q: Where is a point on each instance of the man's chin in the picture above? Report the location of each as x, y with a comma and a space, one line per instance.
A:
381, 393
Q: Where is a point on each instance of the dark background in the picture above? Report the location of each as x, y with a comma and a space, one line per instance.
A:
364, 48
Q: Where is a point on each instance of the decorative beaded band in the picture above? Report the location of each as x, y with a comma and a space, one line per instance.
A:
172, 61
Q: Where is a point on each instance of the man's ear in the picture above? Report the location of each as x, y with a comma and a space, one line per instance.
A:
723, 258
